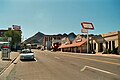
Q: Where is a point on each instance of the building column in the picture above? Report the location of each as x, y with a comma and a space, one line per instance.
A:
97, 47
104, 46
61, 50
109, 45
93, 46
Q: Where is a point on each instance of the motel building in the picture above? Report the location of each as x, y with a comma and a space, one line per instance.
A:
6, 40
79, 45
97, 43
48, 40
109, 41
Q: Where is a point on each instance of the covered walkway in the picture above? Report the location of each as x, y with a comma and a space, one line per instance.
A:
74, 47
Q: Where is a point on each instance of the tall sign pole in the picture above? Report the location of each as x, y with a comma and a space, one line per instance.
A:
87, 41
87, 26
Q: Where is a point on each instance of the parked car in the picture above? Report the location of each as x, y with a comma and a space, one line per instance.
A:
26, 54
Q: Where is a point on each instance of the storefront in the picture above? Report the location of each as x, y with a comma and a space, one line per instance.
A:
103, 42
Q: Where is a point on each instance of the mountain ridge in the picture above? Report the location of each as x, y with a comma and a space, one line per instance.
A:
38, 37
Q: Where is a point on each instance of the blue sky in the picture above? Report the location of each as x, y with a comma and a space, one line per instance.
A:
60, 16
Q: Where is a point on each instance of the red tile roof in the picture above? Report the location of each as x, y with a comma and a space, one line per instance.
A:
74, 44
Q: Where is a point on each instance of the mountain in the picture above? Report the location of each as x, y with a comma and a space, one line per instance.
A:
37, 38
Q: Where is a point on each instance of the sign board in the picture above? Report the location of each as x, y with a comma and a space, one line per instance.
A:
16, 27
87, 25
84, 30
5, 39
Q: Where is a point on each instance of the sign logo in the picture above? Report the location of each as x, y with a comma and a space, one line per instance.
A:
16, 27
87, 25
84, 30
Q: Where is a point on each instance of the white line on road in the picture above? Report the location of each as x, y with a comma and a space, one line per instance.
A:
35, 59
98, 70
57, 57
45, 54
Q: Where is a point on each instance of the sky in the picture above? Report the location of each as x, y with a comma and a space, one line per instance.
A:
60, 16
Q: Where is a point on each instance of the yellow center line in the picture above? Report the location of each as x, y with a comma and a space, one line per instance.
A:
93, 60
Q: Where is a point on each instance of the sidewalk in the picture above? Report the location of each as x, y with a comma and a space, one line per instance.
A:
109, 55
5, 63
97, 54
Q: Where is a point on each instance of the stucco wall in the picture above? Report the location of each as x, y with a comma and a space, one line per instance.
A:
119, 42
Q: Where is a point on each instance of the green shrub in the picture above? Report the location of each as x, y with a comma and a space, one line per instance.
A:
107, 51
115, 51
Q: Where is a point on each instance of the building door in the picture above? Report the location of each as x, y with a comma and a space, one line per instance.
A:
101, 47
113, 45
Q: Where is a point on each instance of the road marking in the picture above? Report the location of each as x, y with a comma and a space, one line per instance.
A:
94, 60
45, 54
57, 57
100, 70
35, 59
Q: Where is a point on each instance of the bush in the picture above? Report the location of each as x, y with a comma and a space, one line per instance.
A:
107, 51
115, 51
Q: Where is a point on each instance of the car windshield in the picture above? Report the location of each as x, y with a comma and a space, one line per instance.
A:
26, 51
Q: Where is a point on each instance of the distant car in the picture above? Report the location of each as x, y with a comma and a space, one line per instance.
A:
26, 54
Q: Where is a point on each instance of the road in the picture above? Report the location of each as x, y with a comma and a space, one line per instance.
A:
62, 66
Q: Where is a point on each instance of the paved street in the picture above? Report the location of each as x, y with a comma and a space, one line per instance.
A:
62, 66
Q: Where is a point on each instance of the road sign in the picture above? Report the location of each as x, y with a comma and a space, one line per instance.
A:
87, 25
84, 30
16, 27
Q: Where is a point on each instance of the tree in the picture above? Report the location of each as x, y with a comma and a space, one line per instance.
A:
16, 38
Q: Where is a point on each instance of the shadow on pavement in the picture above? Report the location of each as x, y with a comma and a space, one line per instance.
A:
6, 59
28, 60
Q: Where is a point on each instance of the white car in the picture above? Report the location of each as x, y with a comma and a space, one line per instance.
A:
26, 54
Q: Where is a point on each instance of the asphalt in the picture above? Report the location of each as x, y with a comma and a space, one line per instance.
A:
5, 63
59, 66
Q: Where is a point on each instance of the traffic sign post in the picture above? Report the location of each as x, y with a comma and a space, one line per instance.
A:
87, 26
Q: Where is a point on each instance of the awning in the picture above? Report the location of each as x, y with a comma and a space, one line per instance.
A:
78, 44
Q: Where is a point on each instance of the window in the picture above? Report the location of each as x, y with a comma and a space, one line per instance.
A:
94, 46
1, 33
